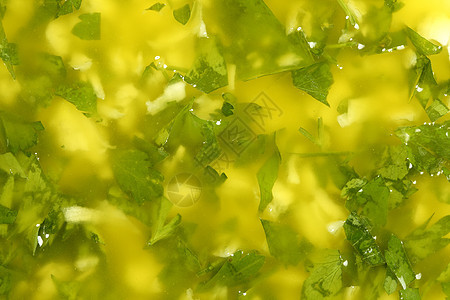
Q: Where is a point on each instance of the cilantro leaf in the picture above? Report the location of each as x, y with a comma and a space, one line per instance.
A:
68, 7
81, 94
238, 269
209, 71
398, 262
423, 46
422, 242
157, 6
161, 230
358, 234
267, 175
182, 14
7, 216
395, 164
135, 177
284, 243
390, 282
372, 198
19, 135
409, 294
436, 110
326, 277
252, 28
89, 27
315, 80
427, 145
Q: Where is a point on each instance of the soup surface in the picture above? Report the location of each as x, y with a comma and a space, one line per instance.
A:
211, 149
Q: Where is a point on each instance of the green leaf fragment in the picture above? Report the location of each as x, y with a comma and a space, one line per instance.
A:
284, 243
395, 165
398, 262
227, 109
358, 234
82, 95
182, 14
316, 80
67, 289
135, 177
409, 294
238, 269
423, 46
422, 82
209, 71
325, 280
20, 135
89, 27
390, 282
7, 216
436, 110
9, 164
157, 6
423, 242
161, 230
69, 6
267, 175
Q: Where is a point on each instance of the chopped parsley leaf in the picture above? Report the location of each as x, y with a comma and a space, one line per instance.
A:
182, 14
316, 80
409, 294
69, 6
423, 46
157, 6
89, 27
82, 95
267, 175
398, 262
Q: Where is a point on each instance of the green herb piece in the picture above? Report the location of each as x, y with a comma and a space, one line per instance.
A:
8, 52
409, 294
422, 242
9, 164
182, 14
82, 95
358, 234
67, 289
7, 216
427, 145
238, 269
227, 109
325, 280
142, 212
398, 262
5, 281
372, 198
284, 243
390, 282
436, 110
157, 6
155, 154
444, 279
210, 149
395, 163
89, 27
19, 135
160, 229
69, 6
252, 28
423, 46
394, 5
315, 80
348, 12
209, 71
267, 175
422, 82
135, 177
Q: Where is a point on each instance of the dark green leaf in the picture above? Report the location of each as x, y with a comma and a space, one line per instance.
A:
161, 230
316, 80
395, 164
89, 27
409, 294
20, 135
157, 6
7, 216
427, 145
155, 154
422, 242
267, 175
358, 234
238, 269
436, 110
422, 82
182, 14
423, 46
284, 243
398, 262
82, 95
133, 174
69, 6
209, 71
325, 280
227, 109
